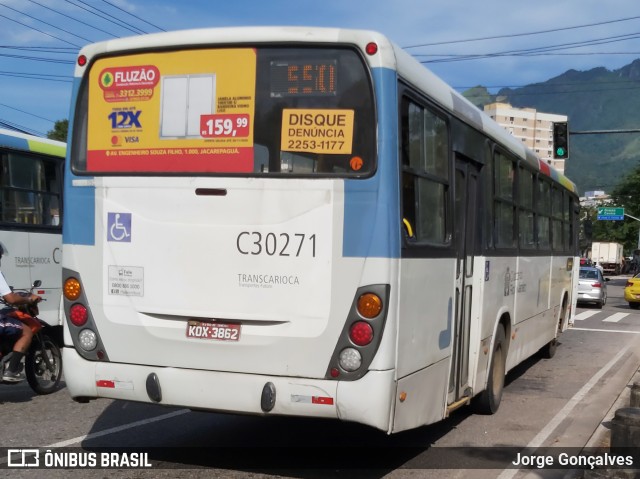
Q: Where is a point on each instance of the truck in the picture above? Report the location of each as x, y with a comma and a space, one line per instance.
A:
608, 255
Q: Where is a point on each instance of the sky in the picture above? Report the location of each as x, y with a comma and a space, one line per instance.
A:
493, 43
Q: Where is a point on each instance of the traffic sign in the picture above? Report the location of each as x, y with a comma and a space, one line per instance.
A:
611, 213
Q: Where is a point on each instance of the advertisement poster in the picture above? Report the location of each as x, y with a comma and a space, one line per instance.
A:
187, 111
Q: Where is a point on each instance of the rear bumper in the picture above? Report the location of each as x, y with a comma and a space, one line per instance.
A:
588, 297
631, 297
367, 400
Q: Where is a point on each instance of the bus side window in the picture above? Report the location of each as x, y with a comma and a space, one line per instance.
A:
425, 173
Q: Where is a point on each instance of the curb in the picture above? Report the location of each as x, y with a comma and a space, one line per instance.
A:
601, 438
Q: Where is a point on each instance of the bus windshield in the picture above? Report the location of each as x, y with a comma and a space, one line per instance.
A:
242, 111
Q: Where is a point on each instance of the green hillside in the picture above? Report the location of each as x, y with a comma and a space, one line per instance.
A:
597, 99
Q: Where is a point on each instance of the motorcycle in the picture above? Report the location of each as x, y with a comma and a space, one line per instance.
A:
43, 360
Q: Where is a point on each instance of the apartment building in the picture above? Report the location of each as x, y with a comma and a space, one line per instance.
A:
533, 128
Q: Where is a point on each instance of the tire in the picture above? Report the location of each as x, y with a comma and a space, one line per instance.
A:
40, 378
549, 350
600, 304
634, 305
488, 401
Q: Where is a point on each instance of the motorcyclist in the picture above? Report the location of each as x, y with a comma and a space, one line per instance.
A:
14, 328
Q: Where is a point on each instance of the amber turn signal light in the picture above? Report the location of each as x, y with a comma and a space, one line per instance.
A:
72, 289
369, 305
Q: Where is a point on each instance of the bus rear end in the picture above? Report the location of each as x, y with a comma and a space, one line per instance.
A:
227, 244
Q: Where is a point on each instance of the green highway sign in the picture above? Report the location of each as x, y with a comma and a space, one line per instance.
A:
610, 213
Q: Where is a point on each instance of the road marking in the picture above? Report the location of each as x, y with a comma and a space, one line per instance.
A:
614, 318
114, 430
605, 330
585, 315
551, 426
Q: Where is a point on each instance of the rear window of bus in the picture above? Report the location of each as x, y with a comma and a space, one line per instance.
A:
281, 111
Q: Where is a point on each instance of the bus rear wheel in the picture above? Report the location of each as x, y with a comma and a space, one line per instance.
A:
488, 401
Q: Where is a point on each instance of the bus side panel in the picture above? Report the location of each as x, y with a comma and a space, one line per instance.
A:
531, 286
421, 404
46, 264
15, 261
31, 256
425, 335
426, 310
498, 298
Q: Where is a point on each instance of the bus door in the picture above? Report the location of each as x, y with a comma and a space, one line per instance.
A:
467, 179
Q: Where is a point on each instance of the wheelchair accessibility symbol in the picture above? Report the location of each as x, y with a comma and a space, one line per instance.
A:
119, 227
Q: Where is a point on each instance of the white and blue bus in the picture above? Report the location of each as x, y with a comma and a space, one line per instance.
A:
302, 221
31, 172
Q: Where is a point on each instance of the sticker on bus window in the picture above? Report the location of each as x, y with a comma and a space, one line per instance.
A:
317, 131
182, 111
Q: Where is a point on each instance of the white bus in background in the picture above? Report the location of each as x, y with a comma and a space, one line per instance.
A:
31, 173
302, 221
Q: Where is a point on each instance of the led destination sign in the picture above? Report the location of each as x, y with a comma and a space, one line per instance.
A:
303, 78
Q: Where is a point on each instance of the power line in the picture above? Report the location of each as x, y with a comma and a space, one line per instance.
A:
533, 54
74, 19
134, 16
544, 49
106, 16
47, 49
37, 59
38, 76
26, 112
513, 35
23, 129
565, 92
39, 31
46, 23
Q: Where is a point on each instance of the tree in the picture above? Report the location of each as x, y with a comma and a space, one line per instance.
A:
59, 132
625, 195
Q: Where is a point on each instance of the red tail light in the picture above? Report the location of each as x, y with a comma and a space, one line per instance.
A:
629, 283
596, 285
78, 314
361, 333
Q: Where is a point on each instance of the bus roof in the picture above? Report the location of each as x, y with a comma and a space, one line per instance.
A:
414, 72
25, 142
390, 56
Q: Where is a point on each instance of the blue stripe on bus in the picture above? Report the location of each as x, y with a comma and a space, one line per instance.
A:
79, 201
371, 207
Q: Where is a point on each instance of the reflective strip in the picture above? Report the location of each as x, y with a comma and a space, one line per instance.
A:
312, 399
106, 383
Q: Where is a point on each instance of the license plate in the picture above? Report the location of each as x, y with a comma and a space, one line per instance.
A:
215, 331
